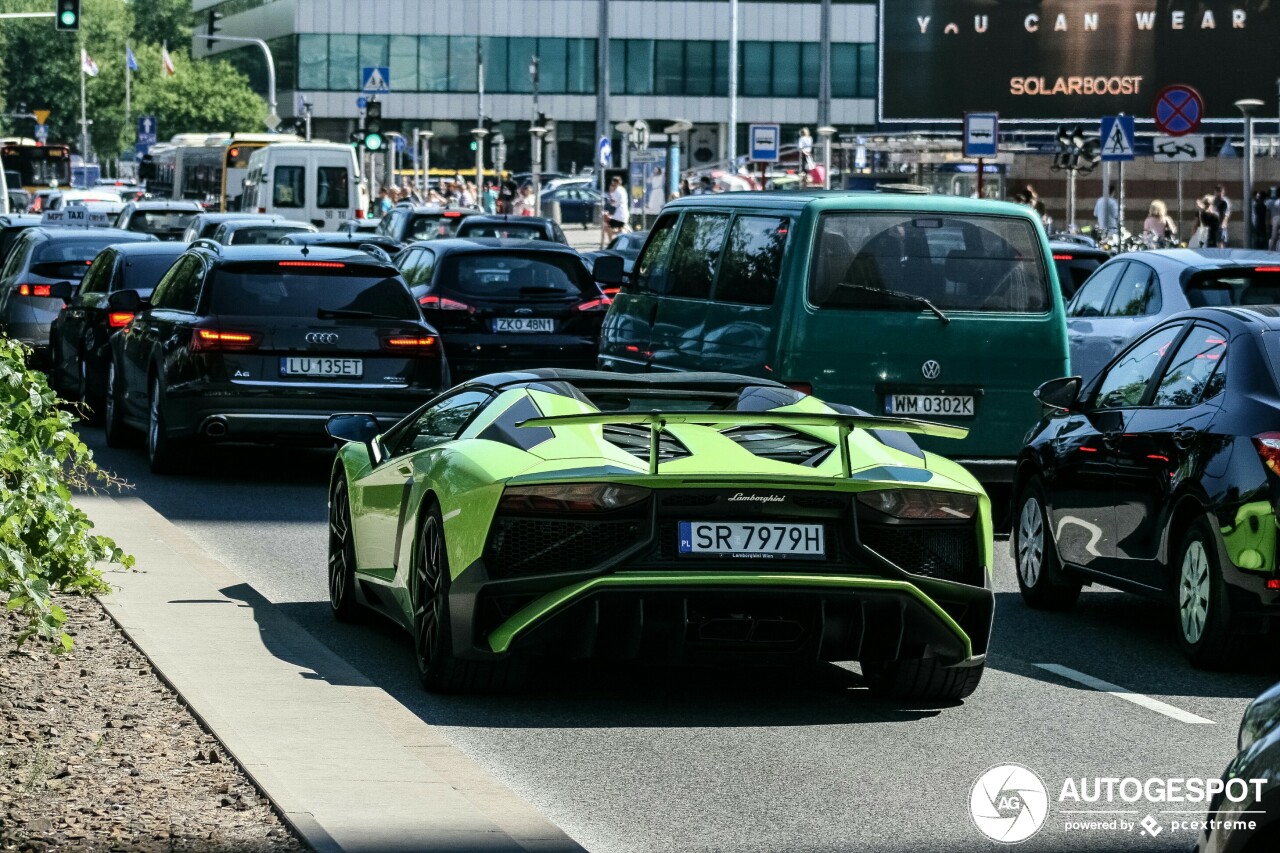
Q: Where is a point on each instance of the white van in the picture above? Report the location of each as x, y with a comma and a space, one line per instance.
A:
316, 182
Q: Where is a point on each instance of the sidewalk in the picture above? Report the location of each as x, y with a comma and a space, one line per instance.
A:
348, 766
583, 239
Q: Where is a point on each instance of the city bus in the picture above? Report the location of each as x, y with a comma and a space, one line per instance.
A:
35, 167
205, 167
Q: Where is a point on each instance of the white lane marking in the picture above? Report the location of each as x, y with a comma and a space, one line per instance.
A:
1125, 694
451, 514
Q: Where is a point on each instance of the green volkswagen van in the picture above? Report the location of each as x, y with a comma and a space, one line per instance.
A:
925, 306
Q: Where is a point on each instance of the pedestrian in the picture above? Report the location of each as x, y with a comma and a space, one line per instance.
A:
1209, 231
523, 204
1222, 205
1261, 221
617, 209
464, 197
1106, 210
489, 199
805, 146
384, 204
1158, 222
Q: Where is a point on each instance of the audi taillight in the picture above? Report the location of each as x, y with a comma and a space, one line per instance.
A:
1268, 446
119, 319
419, 344
596, 304
217, 340
441, 303
33, 290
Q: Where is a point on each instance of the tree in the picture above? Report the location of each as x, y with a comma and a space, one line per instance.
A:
205, 95
161, 21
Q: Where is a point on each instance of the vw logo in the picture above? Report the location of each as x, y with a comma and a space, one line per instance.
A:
322, 337
931, 369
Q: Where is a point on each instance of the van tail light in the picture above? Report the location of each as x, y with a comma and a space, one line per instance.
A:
441, 303
262, 210
217, 340
1268, 446
359, 213
119, 319
802, 387
596, 304
32, 290
415, 344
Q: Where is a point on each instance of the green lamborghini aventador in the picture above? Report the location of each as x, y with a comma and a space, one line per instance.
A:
685, 518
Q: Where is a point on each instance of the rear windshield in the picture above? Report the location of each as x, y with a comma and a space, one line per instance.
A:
1251, 286
160, 221
261, 235
430, 226
511, 231
513, 276
66, 258
957, 262
269, 290
1073, 271
144, 272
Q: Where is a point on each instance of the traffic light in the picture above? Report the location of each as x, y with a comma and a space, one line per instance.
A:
373, 126
474, 145
67, 20
213, 28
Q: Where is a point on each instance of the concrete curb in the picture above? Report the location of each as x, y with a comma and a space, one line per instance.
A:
346, 765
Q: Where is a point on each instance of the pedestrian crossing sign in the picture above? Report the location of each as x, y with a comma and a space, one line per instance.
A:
1117, 138
375, 79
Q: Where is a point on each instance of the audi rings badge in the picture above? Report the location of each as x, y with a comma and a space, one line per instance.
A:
321, 337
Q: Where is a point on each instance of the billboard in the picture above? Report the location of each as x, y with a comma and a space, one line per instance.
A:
1072, 60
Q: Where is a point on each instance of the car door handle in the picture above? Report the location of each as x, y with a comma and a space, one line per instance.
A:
1185, 437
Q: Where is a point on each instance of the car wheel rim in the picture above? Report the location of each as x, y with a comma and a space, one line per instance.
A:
1030, 542
1193, 592
153, 422
426, 614
339, 533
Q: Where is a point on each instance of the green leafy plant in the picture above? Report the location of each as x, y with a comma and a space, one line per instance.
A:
46, 542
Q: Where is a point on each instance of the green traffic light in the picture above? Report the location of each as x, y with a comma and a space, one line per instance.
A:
68, 18
474, 145
373, 141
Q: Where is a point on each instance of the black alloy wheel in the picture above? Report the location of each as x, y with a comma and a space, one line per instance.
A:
118, 433
342, 554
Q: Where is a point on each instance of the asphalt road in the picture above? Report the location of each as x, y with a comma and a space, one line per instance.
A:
640, 759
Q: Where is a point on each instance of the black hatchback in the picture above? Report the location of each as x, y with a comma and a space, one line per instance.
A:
507, 304
79, 335
1161, 477
263, 344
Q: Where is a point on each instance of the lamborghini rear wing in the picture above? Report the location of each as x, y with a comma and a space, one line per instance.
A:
658, 421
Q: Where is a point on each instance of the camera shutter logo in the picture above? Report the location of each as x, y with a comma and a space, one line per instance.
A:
1008, 803
321, 337
931, 369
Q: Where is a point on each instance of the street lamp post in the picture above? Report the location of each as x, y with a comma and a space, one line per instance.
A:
479, 133
537, 133
826, 132
425, 137
1247, 107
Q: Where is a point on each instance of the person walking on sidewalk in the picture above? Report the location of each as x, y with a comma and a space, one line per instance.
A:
1106, 210
1222, 205
617, 210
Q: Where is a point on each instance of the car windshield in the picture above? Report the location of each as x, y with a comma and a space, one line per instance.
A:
511, 275
143, 273
67, 259
510, 231
270, 290
958, 262
1249, 286
160, 221
261, 235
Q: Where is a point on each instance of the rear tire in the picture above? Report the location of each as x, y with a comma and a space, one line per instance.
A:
91, 402
1202, 611
438, 669
921, 678
1043, 584
118, 433
342, 555
164, 453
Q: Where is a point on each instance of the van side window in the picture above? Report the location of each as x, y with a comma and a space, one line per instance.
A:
332, 187
651, 266
753, 260
696, 254
289, 187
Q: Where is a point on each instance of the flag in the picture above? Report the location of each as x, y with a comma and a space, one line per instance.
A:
130, 61
167, 61
87, 65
